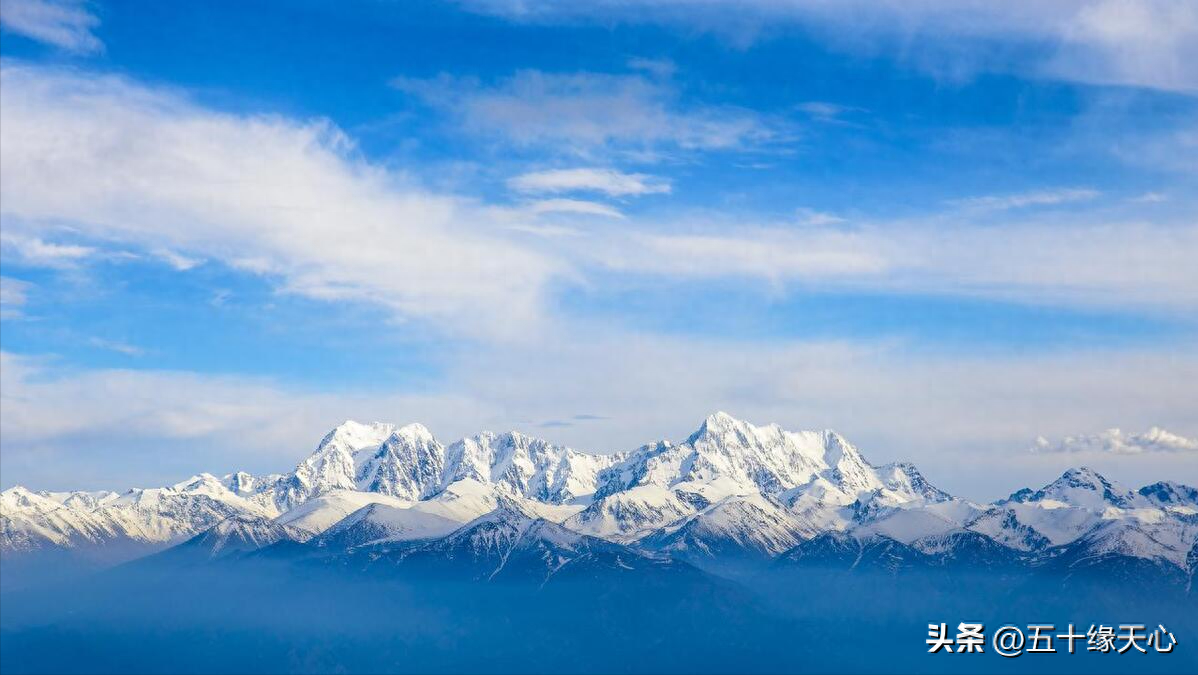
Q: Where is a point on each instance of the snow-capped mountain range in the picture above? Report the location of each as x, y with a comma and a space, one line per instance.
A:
731, 490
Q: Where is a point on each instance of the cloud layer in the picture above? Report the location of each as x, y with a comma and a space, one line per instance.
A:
587, 114
606, 181
94, 160
1141, 266
1116, 442
1148, 43
279, 197
66, 24
95, 163
13, 293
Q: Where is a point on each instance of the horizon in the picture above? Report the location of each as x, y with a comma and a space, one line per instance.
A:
1135, 486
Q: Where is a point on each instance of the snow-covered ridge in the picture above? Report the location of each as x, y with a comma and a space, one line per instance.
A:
730, 488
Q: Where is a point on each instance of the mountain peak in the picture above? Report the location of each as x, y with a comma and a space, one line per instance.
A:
414, 434
414, 430
1169, 493
1083, 472
19, 498
1082, 476
1085, 487
19, 491
198, 482
353, 435
719, 418
719, 423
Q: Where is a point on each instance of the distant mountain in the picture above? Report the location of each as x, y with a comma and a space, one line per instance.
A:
1170, 494
513, 543
499, 504
740, 525
1156, 544
237, 535
318, 514
408, 463
846, 552
92, 523
1086, 488
634, 512
964, 549
377, 524
1084, 504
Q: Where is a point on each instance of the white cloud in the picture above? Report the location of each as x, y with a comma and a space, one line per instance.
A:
824, 111
1151, 198
583, 113
178, 261
1026, 199
66, 24
808, 216
546, 230
1149, 43
34, 251
1171, 148
608, 181
1116, 442
289, 200
662, 68
1146, 267
116, 346
123, 163
13, 295
575, 206
771, 254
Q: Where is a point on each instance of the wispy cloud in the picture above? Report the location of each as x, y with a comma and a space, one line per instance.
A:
588, 112
32, 250
1171, 148
1151, 198
1028, 199
66, 24
808, 216
663, 68
1114, 441
13, 295
555, 424
288, 200
824, 111
1148, 44
575, 206
287, 195
1146, 267
1153, 44
607, 181
176, 260
772, 254
116, 346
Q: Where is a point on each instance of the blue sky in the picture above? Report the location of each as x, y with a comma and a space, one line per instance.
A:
941, 230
